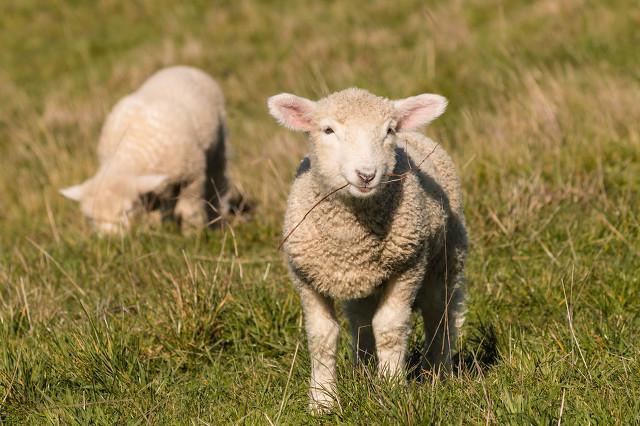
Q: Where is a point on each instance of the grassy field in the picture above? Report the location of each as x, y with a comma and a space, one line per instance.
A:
543, 123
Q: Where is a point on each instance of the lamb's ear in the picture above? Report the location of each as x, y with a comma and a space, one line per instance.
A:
417, 111
149, 183
292, 111
75, 192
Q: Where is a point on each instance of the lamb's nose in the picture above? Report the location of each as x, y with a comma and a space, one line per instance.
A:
366, 177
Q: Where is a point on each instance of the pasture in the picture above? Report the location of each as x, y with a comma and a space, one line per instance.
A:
160, 328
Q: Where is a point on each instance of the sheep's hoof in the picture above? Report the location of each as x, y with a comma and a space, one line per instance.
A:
154, 218
321, 403
192, 223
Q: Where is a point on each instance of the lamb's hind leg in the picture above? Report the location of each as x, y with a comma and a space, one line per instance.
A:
360, 313
217, 191
190, 208
441, 302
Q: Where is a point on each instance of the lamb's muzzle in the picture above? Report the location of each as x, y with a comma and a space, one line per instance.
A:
366, 177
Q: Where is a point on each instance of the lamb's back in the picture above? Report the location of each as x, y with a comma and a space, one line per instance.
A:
144, 138
192, 91
166, 125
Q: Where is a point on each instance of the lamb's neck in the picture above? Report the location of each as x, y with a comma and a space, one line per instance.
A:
373, 208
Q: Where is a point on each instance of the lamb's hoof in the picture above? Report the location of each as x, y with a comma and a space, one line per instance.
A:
192, 224
189, 229
395, 376
321, 403
154, 218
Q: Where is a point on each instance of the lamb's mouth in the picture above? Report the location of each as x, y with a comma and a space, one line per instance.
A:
363, 191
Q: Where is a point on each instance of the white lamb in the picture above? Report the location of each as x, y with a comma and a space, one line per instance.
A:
166, 138
392, 239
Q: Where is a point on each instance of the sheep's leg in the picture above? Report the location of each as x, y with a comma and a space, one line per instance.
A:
322, 336
217, 191
391, 322
360, 313
437, 333
443, 313
190, 208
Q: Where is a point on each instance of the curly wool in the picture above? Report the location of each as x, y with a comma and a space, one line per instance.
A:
354, 104
346, 252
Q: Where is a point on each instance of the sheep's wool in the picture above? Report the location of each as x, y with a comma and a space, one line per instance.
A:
166, 125
346, 251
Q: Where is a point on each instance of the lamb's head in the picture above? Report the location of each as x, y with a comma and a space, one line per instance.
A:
353, 133
109, 202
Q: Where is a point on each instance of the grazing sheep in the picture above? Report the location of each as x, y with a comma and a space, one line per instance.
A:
390, 240
165, 139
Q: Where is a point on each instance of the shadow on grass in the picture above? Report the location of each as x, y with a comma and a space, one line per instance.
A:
478, 355
480, 352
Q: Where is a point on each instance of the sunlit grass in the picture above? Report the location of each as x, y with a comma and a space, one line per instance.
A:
161, 328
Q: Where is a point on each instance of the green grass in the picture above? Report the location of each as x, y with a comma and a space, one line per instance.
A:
161, 328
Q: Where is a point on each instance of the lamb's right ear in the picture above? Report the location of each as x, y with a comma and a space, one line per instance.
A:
292, 111
75, 192
417, 111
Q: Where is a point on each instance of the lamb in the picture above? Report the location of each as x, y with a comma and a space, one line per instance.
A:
390, 239
165, 139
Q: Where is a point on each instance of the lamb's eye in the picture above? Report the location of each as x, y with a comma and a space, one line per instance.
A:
391, 131
328, 131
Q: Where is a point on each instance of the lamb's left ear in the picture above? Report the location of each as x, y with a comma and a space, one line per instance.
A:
292, 111
75, 192
417, 111
149, 183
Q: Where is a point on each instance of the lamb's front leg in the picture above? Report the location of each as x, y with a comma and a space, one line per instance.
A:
322, 336
190, 208
391, 322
